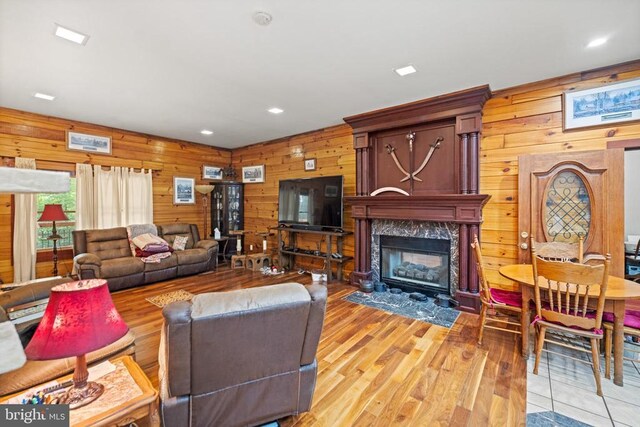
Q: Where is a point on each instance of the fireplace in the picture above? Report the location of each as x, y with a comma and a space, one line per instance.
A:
416, 264
417, 168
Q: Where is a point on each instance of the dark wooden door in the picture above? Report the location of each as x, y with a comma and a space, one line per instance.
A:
564, 196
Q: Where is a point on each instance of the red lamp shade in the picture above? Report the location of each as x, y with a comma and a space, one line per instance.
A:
53, 213
80, 317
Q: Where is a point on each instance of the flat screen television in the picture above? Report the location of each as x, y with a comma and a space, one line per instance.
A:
313, 203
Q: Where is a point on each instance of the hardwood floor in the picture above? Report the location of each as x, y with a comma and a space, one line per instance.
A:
375, 368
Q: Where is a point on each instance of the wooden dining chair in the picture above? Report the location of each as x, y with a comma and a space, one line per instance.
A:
561, 251
497, 304
567, 287
564, 251
632, 265
631, 328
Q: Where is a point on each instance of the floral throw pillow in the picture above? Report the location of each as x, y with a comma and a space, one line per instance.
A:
180, 242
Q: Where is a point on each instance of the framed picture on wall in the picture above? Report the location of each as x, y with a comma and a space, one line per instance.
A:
90, 143
183, 191
253, 173
211, 172
330, 191
309, 164
601, 106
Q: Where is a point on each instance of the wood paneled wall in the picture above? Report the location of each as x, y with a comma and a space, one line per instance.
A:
520, 120
284, 159
41, 137
527, 119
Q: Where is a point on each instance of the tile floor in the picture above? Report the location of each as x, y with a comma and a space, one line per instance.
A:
564, 394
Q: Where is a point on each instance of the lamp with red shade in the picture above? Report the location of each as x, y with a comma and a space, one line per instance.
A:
54, 213
80, 317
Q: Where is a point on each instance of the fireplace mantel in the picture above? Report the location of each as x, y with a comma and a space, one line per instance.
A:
420, 161
456, 208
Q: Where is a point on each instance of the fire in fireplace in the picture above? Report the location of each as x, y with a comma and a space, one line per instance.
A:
416, 264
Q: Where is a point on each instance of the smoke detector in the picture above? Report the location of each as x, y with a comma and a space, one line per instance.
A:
262, 18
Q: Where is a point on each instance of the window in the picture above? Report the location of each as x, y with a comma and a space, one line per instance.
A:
303, 207
64, 228
567, 209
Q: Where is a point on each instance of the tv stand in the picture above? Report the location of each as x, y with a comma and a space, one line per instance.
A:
288, 255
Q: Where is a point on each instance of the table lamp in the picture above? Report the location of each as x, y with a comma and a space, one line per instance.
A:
54, 213
80, 317
205, 189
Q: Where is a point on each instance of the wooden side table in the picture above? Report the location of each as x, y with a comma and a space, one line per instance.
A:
128, 396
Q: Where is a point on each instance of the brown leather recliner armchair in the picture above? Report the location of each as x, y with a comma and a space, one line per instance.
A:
240, 358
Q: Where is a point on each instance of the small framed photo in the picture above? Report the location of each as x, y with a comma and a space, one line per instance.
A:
211, 172
253, 173
183, 191
309, 164
602, 106
330, 191
89, 143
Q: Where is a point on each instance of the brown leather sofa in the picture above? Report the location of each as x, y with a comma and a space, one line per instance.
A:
240, 358
106, 254
36, 372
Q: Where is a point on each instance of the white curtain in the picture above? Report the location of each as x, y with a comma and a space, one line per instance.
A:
24, 230
85, 206
107, 192
137, 197
121, 197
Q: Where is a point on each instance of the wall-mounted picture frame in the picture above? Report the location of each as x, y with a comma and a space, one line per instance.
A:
310, 164
330, 191
602, 106
184, 191
212, 172
253, 173
90, 143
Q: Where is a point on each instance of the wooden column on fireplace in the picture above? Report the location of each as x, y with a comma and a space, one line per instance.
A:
420, 161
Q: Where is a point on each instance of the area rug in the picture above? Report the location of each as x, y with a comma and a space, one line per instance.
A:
169, 297
402, 305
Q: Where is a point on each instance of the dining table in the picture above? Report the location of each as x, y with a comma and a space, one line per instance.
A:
619, 291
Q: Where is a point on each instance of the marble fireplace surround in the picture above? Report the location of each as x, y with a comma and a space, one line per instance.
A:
460, 214
418, 229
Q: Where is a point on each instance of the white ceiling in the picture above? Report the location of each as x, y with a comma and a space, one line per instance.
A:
174, 67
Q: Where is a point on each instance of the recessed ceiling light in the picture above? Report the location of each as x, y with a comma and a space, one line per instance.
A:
206, 132
597, 42
71, 35
262, 18
44, 96
275, 110
403, 71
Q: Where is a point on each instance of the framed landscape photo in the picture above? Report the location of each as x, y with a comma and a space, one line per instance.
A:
253, 173
90, 143
309, 164
183, 191
211, 172
601, 106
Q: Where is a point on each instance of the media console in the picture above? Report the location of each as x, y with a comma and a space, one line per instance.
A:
289, 253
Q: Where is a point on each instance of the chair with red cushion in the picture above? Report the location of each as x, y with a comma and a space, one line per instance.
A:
568, 287
498, 305
631, 328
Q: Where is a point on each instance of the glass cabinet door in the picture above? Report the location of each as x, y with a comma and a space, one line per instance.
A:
227, 211
234, 207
